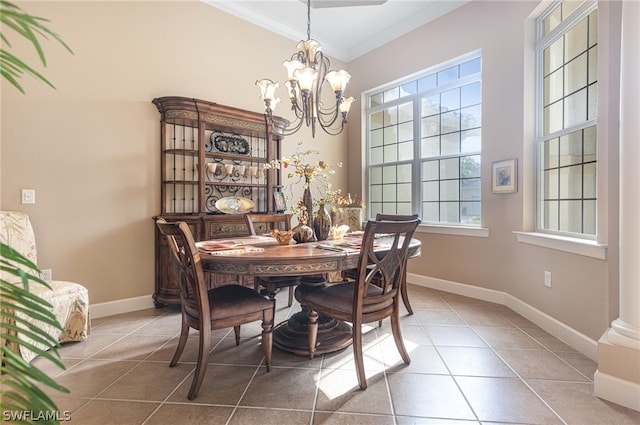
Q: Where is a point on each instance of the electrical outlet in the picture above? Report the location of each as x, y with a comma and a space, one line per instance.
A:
547, 279
46, 274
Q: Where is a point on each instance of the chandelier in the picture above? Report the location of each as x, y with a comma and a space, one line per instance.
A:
307, 72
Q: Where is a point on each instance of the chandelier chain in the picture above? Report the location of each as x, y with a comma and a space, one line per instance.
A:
308, 19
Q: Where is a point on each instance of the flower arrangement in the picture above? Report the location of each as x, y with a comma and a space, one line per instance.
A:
312, 175
348, 201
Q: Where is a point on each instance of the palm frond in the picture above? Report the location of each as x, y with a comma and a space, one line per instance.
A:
31, 28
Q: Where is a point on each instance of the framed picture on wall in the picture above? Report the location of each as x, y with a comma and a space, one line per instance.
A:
279, 202
505, 176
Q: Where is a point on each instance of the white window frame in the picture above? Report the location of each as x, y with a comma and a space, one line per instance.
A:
462, 229
594, 247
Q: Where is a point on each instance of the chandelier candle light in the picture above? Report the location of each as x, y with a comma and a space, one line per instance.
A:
307, 71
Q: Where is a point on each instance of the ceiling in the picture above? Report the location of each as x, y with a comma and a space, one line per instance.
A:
346, 29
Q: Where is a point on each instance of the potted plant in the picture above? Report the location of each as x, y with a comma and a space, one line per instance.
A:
21, 399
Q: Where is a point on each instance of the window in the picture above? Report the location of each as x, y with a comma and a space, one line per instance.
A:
423, 144
567, 119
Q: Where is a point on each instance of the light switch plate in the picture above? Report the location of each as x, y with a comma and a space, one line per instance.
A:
28, 196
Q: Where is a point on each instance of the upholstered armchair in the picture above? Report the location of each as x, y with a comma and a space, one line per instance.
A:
69, 300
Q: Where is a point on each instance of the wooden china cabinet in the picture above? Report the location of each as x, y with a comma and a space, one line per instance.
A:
212, 158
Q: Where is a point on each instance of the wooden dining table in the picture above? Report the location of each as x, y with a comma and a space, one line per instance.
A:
263, 256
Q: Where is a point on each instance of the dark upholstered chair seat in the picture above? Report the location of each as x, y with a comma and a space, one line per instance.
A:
341, 295
231, 301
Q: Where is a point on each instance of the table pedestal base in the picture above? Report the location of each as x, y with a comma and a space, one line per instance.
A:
293, 335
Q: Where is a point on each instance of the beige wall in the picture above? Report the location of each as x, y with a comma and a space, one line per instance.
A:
90, 149
583, 296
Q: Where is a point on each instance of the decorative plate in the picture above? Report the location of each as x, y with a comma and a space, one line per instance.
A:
235, 205
230, 143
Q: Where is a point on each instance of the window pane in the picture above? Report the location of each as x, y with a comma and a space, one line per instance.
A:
431, 126
590, 183
470, 94
449, 168
551, 156
430, 170
376, 193
450, 100
576, 41
376, 120
469, 68
391, 94
551, 184
404, 192
391, 116
471, 141
427, 83
431, 191
553, 118
404, 173
552, 21
431, 211
571, 182
570, 216
375, 100
576, 74
450, 122
405, 151
389, 192
449, 212
448, 75
450, 143
375, 175
571, 148
430, 105
391, 153
405, 112
405, 131
553, 56
553, 88
449, 190
390, 135
409, 88
589, 217
375, 138
376, 156
471, 117
470, 166
430, 147
470, 189
575, 108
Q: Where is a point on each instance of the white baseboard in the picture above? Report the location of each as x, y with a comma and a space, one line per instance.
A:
111, 308
569, 336
617, 390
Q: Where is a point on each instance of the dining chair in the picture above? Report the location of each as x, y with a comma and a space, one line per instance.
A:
206, 309
353, 273
363, 301
268, 223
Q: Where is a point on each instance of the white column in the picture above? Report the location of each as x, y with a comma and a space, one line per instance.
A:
625, 330
618, 375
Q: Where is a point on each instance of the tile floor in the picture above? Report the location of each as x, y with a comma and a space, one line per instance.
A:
473, 362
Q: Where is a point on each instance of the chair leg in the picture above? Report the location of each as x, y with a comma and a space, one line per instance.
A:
397, 335
184, 334
267, 336
358, 356
201, 366
291, 290
313, 333
236, 331
403, 292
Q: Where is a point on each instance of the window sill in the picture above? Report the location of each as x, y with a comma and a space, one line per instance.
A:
561, 243
477, 232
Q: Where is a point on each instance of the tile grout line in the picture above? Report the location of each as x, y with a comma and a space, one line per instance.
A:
508, 365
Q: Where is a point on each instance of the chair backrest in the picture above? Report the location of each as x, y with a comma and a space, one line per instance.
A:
384, 267
268, 222
395, 217
186, 259
16, 231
